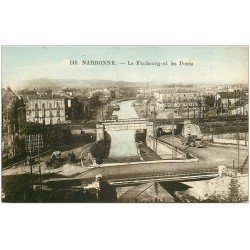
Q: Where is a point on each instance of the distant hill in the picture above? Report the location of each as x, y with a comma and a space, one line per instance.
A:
73, 83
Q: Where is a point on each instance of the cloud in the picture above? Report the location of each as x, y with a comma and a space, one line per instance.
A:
63, 63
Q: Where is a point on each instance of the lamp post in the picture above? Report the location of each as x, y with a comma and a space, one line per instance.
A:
39, 161
29, 158
173, 134
155, 131
31, 169
238, 142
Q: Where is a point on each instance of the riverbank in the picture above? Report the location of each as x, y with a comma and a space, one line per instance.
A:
104, 112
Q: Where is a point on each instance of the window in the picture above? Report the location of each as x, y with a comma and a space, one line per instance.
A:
36, 110
58, 108
43, 110
69, 103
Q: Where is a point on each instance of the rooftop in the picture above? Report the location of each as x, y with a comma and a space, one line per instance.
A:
10, 99
234, 94
48, 97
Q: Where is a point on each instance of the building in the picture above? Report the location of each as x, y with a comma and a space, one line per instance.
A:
52, 109
240, 108
113, 94
144, 93
243, 110
178, 100
229, 99
13, 127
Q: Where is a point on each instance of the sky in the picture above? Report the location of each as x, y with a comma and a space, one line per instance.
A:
211, 64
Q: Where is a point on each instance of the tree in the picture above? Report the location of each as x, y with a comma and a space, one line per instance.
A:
95, 102
234, 194
210, 100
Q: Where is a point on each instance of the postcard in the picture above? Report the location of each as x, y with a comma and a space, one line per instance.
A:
125, 124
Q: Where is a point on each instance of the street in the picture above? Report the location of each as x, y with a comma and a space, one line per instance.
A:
211, 155
66, 169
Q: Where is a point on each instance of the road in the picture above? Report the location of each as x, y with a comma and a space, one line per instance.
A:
212, 155
66, 169
209, 157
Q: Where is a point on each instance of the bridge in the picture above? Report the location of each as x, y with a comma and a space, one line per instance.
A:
136, 124
179, 174
126, 124
123, 124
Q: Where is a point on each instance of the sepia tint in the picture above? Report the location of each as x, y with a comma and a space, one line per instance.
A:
124, 124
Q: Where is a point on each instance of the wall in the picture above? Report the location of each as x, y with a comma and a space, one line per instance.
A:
164, 150
230, 141
99, 132
101, 148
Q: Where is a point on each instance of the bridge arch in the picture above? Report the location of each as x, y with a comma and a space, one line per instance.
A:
123, 124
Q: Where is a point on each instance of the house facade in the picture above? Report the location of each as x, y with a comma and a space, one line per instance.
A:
52, 109
229, 99
178, 100
13, 125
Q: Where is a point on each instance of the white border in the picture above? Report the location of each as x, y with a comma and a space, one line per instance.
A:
124, 226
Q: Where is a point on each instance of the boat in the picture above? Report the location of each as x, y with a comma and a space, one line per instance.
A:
114, 117
116, 107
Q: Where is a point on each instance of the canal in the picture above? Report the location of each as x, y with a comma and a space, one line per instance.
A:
123, 143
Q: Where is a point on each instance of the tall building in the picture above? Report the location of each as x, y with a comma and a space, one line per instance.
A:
52, 109
13, 128
178, 100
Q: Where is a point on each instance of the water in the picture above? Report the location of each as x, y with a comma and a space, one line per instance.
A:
127, 111
123, 143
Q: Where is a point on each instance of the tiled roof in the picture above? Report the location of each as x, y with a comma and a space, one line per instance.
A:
47, 97
230, 95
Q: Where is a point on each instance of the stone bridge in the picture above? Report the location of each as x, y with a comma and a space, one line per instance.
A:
123, 124
136, 124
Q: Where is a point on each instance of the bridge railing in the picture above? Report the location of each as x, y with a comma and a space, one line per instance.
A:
125, 120
170, 174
